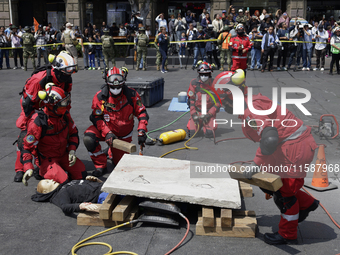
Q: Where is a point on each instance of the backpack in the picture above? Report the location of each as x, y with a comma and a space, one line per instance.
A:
106, 42
27, 39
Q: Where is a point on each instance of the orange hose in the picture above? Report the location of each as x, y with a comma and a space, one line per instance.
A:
185, 236
335, 223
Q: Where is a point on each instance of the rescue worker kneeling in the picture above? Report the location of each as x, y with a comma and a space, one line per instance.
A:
113, 111
290, 147
52, 137
198, 87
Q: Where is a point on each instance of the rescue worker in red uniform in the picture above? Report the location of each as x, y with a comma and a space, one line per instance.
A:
59, 74
52, 136
240, 45
202, 85
113, 110
289, 148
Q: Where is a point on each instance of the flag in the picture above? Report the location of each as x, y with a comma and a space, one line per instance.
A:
36, 24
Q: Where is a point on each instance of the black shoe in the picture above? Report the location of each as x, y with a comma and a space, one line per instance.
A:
193, 68
276, 238
18, 176
330, 73
303, 214
36, 174
99, 172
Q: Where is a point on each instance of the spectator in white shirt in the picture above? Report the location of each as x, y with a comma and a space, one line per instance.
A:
17, 47
217, 23
307, 47
321, 37
161, 21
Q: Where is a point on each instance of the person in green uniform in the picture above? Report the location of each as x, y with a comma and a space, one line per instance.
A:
108, 48
28, 41
142, 43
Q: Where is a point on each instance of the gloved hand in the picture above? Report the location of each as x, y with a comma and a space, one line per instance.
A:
109, 138
72, 158
195, 118
251, 170
93, 179
206, 118
28, 174
88, 206
141, 137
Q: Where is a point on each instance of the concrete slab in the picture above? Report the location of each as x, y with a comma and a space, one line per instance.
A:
169, 179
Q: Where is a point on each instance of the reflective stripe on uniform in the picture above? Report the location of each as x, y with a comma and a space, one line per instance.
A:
290, 217
296, 134
240, 57
97, 153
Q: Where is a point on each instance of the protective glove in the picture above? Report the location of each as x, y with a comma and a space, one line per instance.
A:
28, 174
206, 118
195, 118
109, 138
251, 170
72, 158
93, 179
141, 137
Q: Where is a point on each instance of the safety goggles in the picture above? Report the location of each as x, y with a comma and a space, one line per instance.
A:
65, 102
116, 80
69, 70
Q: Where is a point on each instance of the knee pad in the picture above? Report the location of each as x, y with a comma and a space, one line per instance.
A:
283, 203
90, 141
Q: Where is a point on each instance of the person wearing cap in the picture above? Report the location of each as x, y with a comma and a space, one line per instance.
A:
255, 48
224, 17
108, 48
223, 41
240, 46
41, 40
241, 18
8, 30
113, 110
320, 36
28, 50
335, 49
142, 42
307, 47
70, 41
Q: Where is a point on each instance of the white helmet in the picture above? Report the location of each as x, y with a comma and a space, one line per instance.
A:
63, 62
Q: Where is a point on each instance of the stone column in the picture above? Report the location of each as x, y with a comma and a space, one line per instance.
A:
295, 7
72, 12
4, 13
217, 6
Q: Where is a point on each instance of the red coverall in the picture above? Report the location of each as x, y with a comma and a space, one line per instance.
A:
239, 59
53, 148
293, 153
32, 103
195, 99
114, 114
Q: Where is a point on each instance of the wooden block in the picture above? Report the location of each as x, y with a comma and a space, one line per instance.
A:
123, 208
124, 146
208, 216
132, 215
264, 180
243, 213
226, 218
243, 226
109, 203
92, 219
245, 189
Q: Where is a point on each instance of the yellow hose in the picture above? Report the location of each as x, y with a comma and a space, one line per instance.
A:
185, 145
82, 244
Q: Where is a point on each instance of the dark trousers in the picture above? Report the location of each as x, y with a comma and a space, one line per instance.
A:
282, 54
17, 52
211, 54
320, 54
335, 59
268, 53
164, 57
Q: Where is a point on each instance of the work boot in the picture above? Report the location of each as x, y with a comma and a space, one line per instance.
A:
144, 69
25, 68
137, 68
166, 68
221, 69
276, 239
158, 68
303, 214
99, 172
18, 176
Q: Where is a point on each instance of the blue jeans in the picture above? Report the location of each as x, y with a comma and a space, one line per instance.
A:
182, 50
6, 53
99, 55
255, 56
307, 53
92, 61
202, 53
164, 57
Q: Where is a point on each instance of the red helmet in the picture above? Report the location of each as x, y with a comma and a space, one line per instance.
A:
115, 77
204, 67
56, 99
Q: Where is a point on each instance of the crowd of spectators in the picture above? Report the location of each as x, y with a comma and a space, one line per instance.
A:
270, 33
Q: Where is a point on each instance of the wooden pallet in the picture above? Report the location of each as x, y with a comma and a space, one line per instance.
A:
245, 189
111, 213
230, 223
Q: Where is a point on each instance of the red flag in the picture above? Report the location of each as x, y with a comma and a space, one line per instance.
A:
36, 24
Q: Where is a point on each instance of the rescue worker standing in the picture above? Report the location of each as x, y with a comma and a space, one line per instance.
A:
108, 48
240, 46
60, 75
223, 40
288, 147
199, 86
70, 41
142, 48
28, 42
158, 53
53, 123
113, 111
